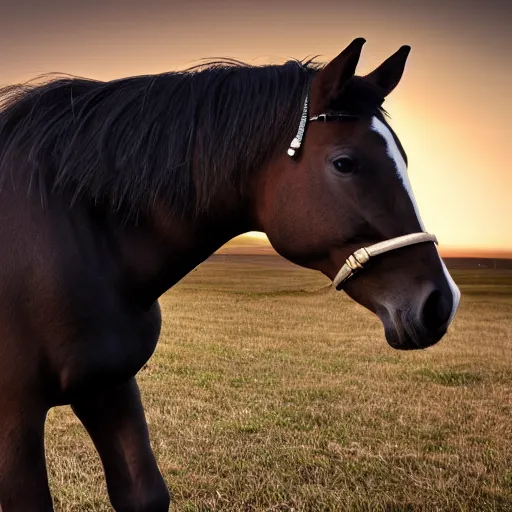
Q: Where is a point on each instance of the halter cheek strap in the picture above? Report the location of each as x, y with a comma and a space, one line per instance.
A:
296, 143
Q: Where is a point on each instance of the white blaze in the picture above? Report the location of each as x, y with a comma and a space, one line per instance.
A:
396, 156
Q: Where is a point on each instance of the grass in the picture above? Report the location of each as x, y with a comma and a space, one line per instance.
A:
267, 393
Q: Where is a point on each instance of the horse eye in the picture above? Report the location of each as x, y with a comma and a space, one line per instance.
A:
344, 165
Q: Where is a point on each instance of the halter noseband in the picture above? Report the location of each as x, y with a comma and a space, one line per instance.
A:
357, 260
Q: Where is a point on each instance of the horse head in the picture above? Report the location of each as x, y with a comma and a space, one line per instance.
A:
340, 198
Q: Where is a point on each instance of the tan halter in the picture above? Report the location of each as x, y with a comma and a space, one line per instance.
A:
356, 261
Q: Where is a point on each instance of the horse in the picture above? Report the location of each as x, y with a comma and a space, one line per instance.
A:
112, 191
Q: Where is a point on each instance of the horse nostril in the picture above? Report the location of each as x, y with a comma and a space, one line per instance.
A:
436, 311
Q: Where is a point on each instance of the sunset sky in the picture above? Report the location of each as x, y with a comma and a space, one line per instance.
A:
452, 110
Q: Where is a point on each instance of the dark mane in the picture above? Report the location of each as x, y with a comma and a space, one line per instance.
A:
186, 136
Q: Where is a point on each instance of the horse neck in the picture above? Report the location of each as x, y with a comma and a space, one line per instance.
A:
158, 250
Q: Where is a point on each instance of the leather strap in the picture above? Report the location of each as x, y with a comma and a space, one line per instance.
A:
357, 261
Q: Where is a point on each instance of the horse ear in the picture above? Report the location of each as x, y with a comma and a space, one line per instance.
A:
330, 80
387, 76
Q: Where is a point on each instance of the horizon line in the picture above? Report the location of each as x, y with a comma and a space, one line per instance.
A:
261, 244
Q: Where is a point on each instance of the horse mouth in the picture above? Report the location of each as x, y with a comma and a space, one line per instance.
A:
404, 341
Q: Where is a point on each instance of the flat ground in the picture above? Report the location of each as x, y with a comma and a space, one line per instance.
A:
268, 393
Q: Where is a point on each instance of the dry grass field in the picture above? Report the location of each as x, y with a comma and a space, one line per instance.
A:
268, 393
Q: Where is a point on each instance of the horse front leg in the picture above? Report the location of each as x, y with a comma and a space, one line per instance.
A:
116, 423
23, 477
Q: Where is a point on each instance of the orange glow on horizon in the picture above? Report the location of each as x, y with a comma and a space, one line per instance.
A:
260, 240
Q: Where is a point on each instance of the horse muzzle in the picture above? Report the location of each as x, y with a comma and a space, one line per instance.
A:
415, 317
421, 324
